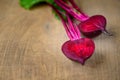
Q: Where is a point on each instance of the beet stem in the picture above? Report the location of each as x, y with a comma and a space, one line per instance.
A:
69, 27
63, 21
72, 27
76, 7
67, 8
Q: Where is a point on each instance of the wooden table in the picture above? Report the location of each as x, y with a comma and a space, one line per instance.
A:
30, 44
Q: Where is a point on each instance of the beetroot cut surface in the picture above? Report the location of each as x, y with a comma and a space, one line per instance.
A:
79, 50
93, 26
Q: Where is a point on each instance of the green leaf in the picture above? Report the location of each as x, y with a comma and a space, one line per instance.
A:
50, 1
27, 4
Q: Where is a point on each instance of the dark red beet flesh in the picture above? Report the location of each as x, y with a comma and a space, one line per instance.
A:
93, 26
79, 50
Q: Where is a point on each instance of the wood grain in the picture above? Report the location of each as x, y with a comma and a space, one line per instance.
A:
30, 44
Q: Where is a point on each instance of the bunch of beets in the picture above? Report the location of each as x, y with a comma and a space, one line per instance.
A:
77, 48
76, 22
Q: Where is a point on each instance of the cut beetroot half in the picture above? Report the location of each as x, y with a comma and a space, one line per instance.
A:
79, 50
93, 26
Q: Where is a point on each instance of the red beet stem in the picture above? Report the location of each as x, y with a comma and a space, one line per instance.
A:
63, 21
70, 10
73, 28
71, 31
76, 7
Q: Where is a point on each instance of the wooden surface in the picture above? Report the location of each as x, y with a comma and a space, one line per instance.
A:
30, 44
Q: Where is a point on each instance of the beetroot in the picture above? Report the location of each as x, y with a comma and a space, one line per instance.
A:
89, 26
93, 26
79, 50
